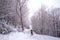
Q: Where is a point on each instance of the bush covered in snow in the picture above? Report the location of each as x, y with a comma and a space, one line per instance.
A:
5, 29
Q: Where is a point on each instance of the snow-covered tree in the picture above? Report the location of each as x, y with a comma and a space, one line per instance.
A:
13, 13
22, 12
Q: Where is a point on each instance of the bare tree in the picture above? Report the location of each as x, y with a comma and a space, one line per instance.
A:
21, 11
46, 22
55, 13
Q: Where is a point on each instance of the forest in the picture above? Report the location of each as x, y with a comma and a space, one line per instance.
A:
15, 16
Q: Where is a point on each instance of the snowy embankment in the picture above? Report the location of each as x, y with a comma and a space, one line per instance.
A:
26, 36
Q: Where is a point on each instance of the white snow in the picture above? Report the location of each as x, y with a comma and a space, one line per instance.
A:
26, 36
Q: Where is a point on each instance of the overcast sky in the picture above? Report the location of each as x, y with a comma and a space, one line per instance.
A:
34, 5
57, 3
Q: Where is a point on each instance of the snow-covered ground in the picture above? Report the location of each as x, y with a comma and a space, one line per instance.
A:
26, 36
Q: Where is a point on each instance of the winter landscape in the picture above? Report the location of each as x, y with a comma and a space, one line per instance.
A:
29, 19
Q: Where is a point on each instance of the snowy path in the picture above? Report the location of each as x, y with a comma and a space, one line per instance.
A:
26, 36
